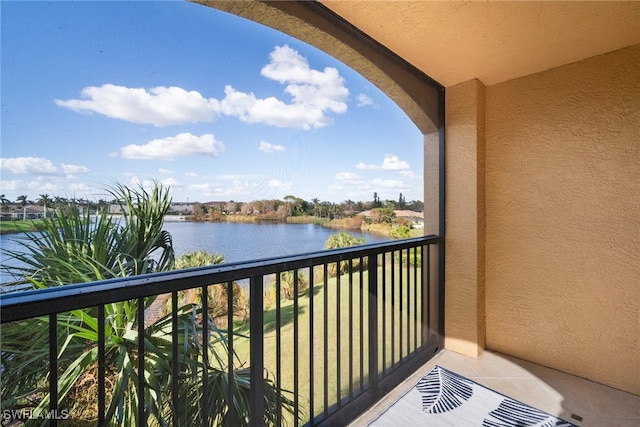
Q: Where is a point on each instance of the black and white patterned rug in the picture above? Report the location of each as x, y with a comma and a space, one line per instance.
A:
444, 398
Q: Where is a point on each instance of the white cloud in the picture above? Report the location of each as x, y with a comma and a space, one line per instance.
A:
163, 171
271, 111
148, 184
10, 185
270, 148
389, 163
170, 182
184, 144
387, 183
28, 165
206, 187
313, 94
364, 100
190, 174
160, 106
80, 189
70, 169
235, 190
322, 88
232, 177
349, 178
276, 183
54, 185
408, 174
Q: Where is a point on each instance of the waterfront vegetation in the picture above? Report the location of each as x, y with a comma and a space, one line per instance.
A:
375, 216
72, 247
77, 246
19, 226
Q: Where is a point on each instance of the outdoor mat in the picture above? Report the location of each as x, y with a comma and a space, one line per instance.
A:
444, 398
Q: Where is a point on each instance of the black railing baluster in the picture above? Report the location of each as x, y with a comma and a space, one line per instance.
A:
205, 355
384, 314
408, 312
350, 328
386, 310
415, 298
311, 346
338, 345
53, 367
101, 366
278, 352
440, 297
296, 389
256, 339
372, 299
175, 364
142, 421
426, 297
325, 310
233, 415
401, 311
361, 311
393, 308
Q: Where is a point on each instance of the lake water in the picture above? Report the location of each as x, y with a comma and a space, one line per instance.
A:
242, 241
237, 241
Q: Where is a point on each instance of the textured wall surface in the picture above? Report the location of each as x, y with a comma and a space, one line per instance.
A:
457, 41
465, 154
563, 218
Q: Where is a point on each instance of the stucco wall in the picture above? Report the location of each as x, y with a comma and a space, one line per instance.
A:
465, 219
563, 218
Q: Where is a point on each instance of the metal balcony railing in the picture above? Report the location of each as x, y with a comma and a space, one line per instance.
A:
329, 331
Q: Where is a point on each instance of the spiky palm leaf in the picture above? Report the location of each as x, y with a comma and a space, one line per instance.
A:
72, 247
343, 240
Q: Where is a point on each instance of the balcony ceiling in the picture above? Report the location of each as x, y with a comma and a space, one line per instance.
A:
455, 41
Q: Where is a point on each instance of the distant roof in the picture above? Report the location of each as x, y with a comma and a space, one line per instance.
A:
399, 214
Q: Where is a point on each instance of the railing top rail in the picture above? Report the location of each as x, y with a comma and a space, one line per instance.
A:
33, 303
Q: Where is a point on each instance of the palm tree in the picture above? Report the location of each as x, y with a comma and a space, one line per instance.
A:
101, 249
3, 201
217, 292
287, 283
343, 240
44, 199
22, 201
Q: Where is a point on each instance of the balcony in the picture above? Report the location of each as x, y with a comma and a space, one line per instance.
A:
309, 340
577, 400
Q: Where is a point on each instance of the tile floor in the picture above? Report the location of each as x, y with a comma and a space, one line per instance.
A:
580, 401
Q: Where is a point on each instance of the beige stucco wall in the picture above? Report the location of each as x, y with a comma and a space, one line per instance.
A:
542, 213
465, 218
563, 218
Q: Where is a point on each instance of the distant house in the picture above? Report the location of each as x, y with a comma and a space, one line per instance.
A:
184, 208
28, 212
115, 209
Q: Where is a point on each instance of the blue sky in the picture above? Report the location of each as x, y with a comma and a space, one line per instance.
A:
212, 105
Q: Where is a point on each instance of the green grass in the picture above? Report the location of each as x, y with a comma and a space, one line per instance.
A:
10, 227
306, 219
340, 311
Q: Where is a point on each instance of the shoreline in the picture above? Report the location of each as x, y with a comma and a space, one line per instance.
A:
21, 226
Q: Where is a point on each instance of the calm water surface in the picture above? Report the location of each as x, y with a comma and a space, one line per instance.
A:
242, 242
236, 241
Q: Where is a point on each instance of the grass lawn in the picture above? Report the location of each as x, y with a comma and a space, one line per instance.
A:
9, 227
336, 304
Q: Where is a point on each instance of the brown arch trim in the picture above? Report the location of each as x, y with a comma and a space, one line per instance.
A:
417, 94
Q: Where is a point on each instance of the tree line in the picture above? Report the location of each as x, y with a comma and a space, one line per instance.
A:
266, 208
296, 206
